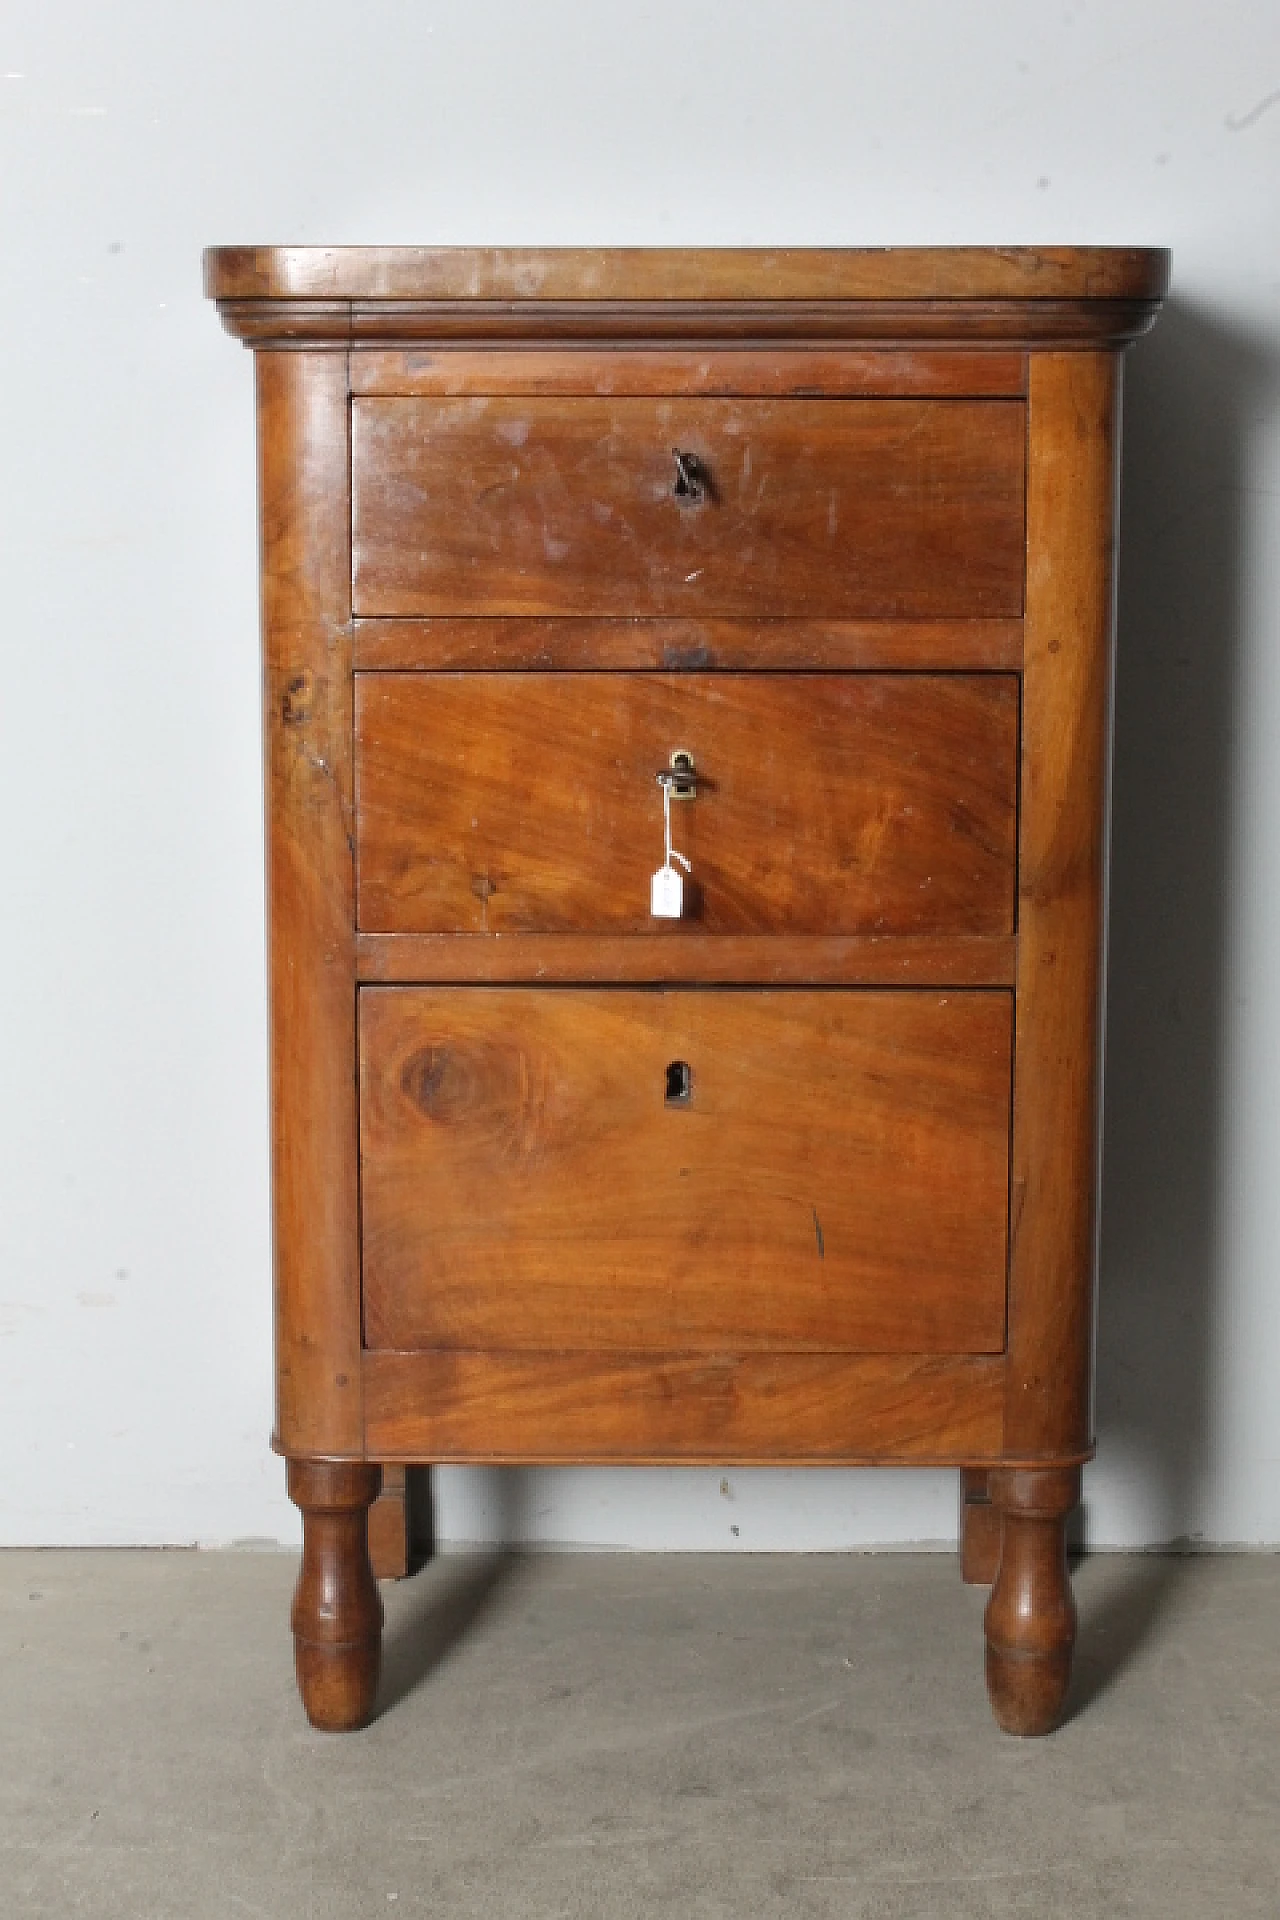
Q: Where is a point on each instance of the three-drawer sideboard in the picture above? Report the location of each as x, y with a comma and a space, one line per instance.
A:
687, 685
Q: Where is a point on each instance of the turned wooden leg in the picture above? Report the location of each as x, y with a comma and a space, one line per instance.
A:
1031, 1616
979, 1529
337, 1614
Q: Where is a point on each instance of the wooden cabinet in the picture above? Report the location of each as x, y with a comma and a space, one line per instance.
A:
806, 560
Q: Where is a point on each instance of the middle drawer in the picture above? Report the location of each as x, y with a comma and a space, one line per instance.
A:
826, 803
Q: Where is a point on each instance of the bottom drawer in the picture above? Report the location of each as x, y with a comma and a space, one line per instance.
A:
687, 1170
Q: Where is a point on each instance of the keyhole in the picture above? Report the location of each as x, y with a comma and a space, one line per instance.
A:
679, 1083
690, 481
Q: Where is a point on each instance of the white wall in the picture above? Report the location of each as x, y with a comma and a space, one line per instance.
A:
134, 1333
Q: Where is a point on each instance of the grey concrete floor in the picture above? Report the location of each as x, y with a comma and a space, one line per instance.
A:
616, 1736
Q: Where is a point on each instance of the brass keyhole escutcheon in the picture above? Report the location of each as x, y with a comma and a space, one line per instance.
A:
680, 776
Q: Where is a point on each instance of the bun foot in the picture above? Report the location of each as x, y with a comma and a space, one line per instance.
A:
338, 1685
1026, 1691
1031, 1615
337, 1613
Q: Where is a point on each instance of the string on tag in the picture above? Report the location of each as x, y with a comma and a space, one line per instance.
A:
666, 833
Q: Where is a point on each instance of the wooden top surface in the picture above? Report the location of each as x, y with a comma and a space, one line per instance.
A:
721, 274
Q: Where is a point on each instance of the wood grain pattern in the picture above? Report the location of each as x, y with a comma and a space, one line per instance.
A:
687, 646
836, 1180
522, 803
685, 956
820, 509
1066, 697
804, 373
302, 437
671, 275
702, 1409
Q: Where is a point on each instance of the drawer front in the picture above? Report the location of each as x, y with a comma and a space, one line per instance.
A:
818, 508
538, 1173
826, 803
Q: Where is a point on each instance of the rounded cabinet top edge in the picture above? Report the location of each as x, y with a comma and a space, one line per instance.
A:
693, 275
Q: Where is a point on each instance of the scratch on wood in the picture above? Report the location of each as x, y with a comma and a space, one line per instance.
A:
817, 1228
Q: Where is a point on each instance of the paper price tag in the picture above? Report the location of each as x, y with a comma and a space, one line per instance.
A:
666, 894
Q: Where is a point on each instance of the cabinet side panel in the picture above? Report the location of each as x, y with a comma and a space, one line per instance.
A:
306, 620
1071, 500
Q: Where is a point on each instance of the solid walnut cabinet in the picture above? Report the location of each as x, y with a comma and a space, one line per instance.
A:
812, 554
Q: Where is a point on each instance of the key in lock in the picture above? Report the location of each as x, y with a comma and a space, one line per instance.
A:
679, 781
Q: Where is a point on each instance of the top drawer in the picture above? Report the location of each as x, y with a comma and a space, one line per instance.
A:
824, 509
